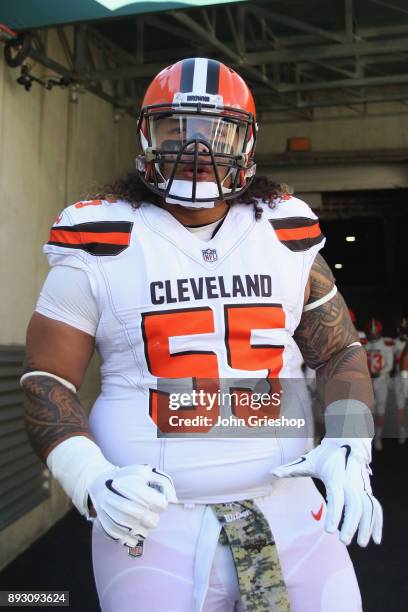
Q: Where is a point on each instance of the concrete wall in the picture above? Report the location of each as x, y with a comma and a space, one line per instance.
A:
339, 177
51, 152
381, 127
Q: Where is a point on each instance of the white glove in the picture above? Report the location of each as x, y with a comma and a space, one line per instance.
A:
343, 466
129, 500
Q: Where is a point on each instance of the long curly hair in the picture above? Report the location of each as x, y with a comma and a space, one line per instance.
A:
131, 189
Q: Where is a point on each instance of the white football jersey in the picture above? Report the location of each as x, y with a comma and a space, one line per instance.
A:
172, 306
380, 356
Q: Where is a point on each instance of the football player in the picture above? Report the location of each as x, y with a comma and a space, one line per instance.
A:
179, 271
399, 344
380, 359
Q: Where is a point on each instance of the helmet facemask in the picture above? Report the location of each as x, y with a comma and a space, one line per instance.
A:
195, 154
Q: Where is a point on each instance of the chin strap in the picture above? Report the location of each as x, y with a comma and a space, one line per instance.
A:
184, 189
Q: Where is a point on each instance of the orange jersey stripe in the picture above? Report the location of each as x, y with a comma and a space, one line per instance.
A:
87, 237
299, 233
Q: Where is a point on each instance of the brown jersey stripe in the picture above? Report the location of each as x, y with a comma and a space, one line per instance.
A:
292, 222
94, 248
97, 238
303, 244
66, 237
97, 226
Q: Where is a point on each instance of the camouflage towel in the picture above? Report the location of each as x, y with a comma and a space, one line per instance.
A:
256, 559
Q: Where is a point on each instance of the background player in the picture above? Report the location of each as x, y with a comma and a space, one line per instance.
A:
380, 362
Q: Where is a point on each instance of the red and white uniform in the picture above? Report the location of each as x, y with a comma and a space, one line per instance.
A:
172, 306
380, 359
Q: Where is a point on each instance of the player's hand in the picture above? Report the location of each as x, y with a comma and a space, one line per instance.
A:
343, 466
128, 501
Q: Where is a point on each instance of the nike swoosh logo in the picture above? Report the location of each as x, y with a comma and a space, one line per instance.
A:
109, 485
301, 460
156, 471
348, 451
318, 515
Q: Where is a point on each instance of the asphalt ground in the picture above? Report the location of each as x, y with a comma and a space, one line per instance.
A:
61, 559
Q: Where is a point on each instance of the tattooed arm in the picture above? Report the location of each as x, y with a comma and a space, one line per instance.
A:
53, 413
327, 340
326, 337
58, 428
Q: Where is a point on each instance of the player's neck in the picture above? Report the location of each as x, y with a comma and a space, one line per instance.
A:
196, 216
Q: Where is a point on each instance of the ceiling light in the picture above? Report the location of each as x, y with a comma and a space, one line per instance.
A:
350, 238
338, 266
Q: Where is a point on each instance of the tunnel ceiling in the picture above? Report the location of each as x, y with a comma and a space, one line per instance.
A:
297, 56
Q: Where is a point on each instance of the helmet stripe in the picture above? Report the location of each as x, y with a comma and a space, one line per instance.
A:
187, 74
200, 75
213, 77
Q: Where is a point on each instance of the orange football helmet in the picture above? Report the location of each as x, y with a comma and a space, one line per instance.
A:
210, 131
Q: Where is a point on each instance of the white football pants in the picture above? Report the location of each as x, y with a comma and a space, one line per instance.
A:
185, 569
399, 391
380, 386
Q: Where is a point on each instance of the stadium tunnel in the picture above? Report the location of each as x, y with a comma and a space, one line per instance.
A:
331, 88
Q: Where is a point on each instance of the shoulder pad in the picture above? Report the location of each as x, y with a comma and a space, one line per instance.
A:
97, 227
295, 224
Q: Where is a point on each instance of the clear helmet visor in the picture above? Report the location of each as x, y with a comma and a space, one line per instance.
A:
197, 159
171, 133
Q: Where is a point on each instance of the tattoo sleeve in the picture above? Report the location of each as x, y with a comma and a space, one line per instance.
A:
324, 336
52, 413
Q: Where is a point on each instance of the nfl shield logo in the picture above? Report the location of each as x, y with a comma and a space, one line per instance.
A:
210, 255
136, 551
